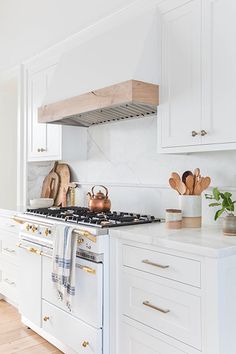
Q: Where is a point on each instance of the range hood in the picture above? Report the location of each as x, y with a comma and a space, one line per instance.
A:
126, 100
111, 74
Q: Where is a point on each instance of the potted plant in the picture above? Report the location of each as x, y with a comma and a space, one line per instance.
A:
226, 204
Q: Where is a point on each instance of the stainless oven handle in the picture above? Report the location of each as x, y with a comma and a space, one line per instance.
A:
83, 233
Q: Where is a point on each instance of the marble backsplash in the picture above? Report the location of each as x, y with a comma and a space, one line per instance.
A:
123, 156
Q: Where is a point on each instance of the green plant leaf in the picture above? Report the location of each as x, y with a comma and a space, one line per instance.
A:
214, 204
216, 193
219, 213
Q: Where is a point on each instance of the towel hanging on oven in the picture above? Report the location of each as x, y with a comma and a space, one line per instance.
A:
64, 262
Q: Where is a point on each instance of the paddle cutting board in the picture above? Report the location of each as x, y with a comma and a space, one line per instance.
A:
63, 171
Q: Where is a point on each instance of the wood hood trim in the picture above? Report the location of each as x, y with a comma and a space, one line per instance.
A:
129, 99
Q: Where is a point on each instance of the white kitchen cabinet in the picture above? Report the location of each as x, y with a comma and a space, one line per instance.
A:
198, 77
48, 142
8, 260
180, 107
30, 282
44, 141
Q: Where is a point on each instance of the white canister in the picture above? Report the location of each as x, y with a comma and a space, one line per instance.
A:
191, 206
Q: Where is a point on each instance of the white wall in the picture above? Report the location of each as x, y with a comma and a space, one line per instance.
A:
30, 26
8, 142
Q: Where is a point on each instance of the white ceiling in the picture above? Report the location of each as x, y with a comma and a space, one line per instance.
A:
30, 26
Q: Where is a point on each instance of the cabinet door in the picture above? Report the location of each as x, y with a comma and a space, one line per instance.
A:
134, 341
180, 108
219, 52
29, 283
44, 141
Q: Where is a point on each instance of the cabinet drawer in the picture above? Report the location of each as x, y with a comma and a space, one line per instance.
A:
9, 224
8, 280
8, 249
176, 268
134, 341
76, 334
170, 311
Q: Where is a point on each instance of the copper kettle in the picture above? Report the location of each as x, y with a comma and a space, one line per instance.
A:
99, 202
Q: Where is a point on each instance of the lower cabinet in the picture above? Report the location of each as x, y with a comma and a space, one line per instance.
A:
74, 333
8, 260
134, 341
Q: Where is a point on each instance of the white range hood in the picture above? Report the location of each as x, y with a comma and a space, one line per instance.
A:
128, 52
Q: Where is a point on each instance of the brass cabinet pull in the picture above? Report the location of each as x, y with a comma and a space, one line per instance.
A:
29, 249
148, 304
146, 261
86, 269
46, 318
85, 343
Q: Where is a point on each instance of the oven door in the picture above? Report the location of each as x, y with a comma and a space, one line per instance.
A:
87, 304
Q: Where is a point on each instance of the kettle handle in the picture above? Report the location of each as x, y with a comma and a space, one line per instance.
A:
99, 185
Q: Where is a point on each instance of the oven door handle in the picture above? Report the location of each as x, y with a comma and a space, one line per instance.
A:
33, 250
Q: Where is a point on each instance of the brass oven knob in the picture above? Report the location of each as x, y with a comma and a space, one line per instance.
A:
28, 227
34, 228
46, 318
47, 232
85, 343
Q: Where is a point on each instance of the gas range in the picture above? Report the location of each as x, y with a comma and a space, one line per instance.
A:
84, 216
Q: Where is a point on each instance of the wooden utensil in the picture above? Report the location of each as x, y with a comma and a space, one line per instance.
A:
205, 182
185, 175
197, 188
175, 176
51, 184
63, 171
190, 183
173, 184
181, 187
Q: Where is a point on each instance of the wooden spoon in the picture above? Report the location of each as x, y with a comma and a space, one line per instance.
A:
181, 187
175, 176
197, 188
190, 183
185, 175
205, 182
173, 184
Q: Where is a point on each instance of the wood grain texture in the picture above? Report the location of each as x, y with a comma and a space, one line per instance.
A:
131, 91
17, 338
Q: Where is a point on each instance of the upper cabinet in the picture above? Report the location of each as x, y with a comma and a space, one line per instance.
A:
48, 142
197, 104
44, 141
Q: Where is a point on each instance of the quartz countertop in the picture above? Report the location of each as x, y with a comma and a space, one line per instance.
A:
205, 241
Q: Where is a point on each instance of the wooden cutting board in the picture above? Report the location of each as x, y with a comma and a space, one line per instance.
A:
63, 171
51, 184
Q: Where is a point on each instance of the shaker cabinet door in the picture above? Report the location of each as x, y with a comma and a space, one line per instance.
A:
180, 109
219, 52
44, 141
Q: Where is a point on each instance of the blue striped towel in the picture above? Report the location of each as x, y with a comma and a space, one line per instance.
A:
64, 262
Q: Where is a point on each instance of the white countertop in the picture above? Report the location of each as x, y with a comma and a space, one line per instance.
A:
205, 241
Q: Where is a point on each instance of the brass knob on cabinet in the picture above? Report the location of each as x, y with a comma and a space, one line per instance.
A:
203, 133
194, 133
85, 343
46, 318
42, 150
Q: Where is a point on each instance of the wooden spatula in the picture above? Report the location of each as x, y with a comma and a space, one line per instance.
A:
190, 184
175, 176
181, 187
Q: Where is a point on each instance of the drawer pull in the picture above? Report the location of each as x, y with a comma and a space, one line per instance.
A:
9, 282
86, 269
146, 261
85, 343
148, 304
46, 318
9, 250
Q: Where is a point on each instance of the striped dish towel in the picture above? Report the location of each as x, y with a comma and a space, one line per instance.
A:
64, 261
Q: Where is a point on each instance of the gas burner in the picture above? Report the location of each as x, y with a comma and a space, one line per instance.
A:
85, 216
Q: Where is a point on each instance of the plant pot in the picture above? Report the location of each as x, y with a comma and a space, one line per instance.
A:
191, 206
229, 225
